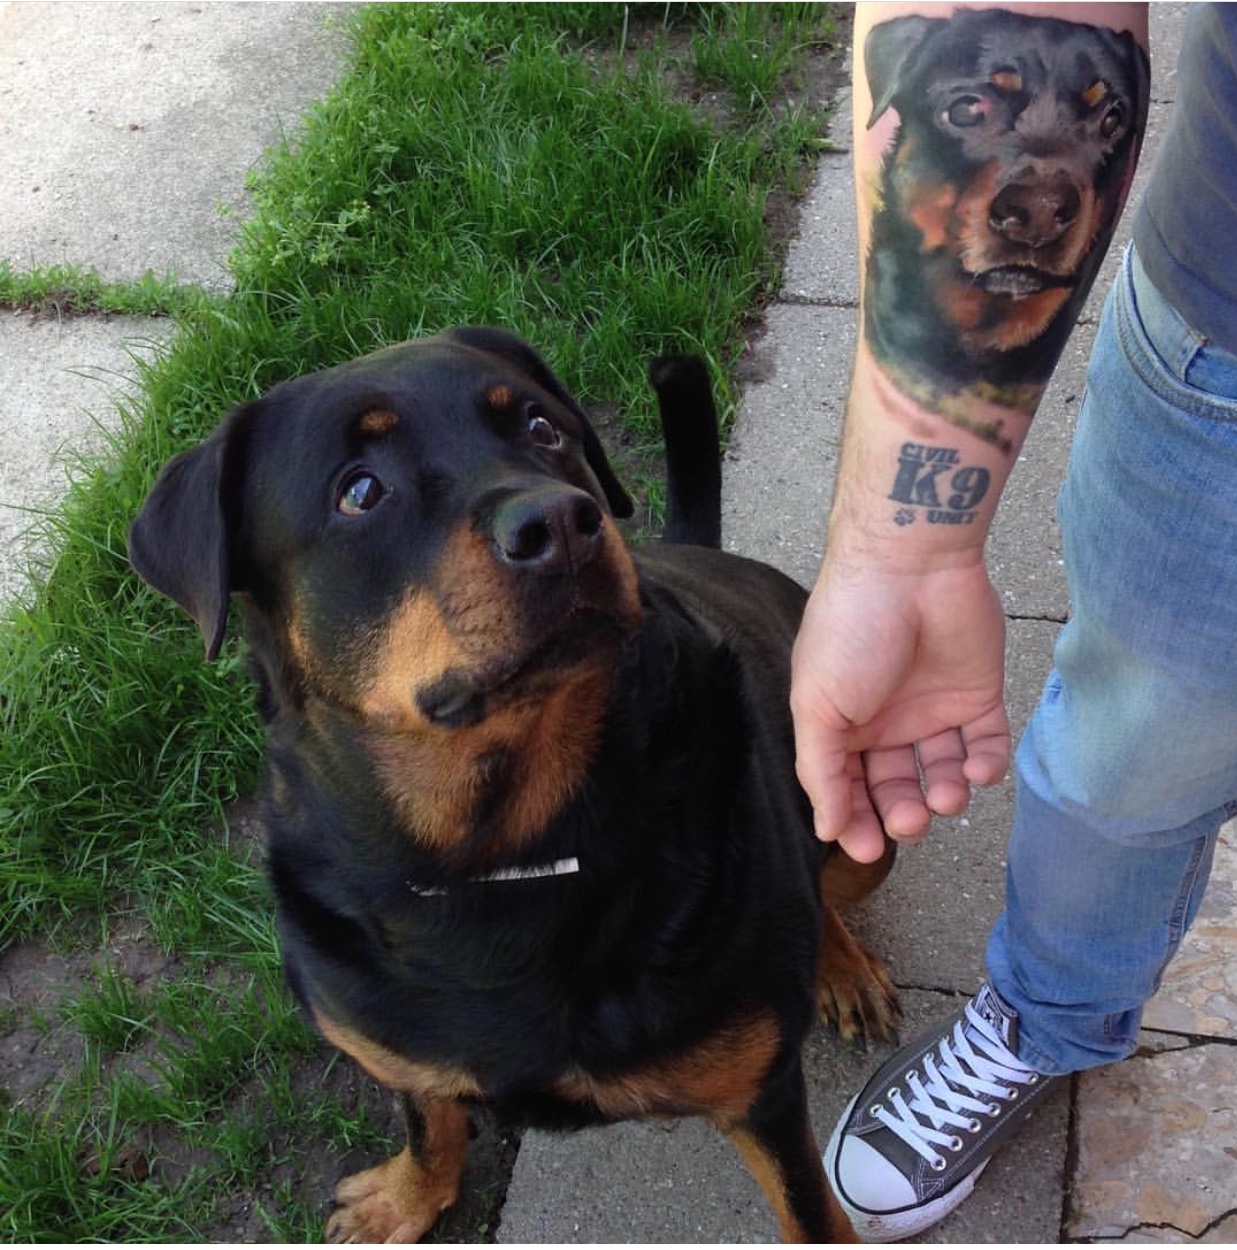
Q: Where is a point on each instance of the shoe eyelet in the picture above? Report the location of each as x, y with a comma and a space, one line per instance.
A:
955, 1144
938, 1164
874, 1108
973, 1126
1011, 1093
993, 1109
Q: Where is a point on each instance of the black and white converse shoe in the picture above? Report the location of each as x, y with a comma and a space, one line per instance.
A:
913, 1142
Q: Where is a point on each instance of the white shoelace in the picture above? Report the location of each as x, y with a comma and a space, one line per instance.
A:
972, 1072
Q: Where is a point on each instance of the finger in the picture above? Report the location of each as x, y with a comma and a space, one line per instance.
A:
988, 747
942, 758
896, 792
863, 837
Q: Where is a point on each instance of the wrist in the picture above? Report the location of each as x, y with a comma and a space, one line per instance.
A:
874, 541
913, 489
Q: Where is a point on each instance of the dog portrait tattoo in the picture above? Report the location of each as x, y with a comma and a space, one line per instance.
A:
1012, 147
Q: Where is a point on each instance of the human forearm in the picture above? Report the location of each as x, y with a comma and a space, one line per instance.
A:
993, 152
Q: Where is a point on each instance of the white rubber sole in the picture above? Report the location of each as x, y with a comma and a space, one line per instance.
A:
879, 1227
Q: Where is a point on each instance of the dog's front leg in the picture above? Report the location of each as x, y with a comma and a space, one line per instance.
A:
776, 1142
400, 1200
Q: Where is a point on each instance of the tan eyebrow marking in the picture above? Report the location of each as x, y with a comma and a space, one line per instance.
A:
1006, 80
378, 423
1095, 93
500, 396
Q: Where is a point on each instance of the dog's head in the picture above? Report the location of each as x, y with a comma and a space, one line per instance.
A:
421, 538
1013, 145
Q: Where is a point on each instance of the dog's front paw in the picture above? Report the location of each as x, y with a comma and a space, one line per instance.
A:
854, 992
387, 1203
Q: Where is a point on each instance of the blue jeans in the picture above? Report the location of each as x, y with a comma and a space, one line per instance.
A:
1129, 765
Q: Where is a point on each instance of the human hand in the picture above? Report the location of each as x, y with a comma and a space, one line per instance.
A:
898, 698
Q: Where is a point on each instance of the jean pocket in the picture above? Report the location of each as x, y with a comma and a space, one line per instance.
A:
1213, 372
1170, 356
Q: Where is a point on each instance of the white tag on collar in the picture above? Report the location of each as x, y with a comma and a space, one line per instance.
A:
559, 868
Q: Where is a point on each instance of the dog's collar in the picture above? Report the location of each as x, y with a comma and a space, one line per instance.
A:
530, 872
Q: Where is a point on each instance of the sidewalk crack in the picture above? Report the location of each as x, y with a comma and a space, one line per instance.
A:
1165, 1226
1044, 618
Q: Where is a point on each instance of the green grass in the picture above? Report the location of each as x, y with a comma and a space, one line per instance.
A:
68, 290
534, 166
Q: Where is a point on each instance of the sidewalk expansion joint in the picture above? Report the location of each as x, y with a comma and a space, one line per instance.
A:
791, 300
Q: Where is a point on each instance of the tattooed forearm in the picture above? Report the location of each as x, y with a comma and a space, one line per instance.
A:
1007, 143
932, 482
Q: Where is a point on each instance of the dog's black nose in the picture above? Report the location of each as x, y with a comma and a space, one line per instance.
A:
1035, 213
553, 529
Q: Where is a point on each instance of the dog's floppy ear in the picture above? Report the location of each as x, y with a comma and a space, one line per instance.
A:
519, 353
889, 52
180, 541
1132, 57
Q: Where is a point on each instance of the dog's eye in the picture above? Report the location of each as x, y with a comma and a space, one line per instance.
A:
966, 110
540, 428
1113, 121
360, 493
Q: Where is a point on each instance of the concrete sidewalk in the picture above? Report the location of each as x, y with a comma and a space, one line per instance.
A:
125, 127
126, 132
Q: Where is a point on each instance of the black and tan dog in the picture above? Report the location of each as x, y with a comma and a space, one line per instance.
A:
1013, 151
534, 830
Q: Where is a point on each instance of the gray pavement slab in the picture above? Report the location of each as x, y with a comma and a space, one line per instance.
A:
822, 262
127, 129
1199, 995
62, 384
126, 134
1157, 1147
780, 464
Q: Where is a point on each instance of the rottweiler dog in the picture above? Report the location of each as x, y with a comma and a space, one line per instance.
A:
1015, 144
534, 833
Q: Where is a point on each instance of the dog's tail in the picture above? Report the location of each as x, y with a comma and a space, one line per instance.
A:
693, 451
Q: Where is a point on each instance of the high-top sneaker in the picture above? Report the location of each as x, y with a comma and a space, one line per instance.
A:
913, 1142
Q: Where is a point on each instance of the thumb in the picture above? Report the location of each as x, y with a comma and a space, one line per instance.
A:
822, 765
